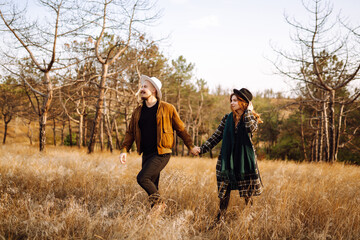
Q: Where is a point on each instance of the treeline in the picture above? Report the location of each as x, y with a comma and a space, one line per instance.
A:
80, 74
287, 132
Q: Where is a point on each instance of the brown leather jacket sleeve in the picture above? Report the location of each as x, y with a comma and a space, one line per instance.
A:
129, 136
179, 126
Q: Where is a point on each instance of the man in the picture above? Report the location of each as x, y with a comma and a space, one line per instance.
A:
151, 127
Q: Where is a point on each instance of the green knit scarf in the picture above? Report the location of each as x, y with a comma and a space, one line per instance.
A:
237, 153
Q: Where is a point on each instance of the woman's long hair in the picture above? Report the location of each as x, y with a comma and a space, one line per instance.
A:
243, 105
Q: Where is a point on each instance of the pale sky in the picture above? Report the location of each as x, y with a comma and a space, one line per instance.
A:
228, 40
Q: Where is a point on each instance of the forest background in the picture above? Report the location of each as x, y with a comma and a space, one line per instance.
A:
72, 80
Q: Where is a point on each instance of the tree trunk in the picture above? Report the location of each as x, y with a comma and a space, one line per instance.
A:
54, 131
108, 133
326, 130
44, 111
99, 109
313, 150
7, 119
5, 131
101, 135
302, 134
70, 133
338, 131
42, 137
117, 135
321, 137
62, 133
85, 131
332, 126
317, 146
80, 135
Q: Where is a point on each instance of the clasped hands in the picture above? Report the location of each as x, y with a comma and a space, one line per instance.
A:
195, 151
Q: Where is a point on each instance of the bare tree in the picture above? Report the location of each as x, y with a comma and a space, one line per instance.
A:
75, 99
40, 41
325, 65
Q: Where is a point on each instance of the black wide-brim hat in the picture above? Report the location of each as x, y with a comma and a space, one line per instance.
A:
244, 94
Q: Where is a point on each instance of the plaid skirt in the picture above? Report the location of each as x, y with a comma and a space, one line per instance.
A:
252, 186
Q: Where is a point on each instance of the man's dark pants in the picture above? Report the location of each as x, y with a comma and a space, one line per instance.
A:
148, 177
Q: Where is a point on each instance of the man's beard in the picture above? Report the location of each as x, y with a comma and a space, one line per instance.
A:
144, 95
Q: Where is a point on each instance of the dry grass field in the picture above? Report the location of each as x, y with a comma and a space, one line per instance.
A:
65, 193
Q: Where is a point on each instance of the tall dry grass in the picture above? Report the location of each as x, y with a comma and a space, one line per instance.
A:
68, 194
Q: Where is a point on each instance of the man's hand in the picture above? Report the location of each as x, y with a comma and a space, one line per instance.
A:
250, 106
123, 158
195, 151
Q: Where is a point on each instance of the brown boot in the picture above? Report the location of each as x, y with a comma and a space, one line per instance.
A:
157, 210
154, 199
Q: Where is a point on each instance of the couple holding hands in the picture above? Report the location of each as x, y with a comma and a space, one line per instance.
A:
152, 125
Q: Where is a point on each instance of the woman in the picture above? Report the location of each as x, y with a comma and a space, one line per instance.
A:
236, 168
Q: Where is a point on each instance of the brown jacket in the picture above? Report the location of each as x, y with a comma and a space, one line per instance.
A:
168, 120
